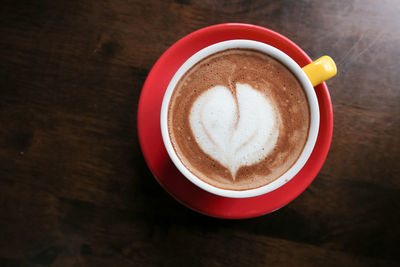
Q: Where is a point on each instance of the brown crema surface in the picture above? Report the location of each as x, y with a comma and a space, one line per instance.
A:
263, 73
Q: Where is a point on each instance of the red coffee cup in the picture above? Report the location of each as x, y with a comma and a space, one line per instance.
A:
150, 133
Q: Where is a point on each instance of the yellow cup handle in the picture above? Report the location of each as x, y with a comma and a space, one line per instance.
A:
320, 70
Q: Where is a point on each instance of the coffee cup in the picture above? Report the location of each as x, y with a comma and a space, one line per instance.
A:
308, 76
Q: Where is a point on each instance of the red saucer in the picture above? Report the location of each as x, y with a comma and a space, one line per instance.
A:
157, 158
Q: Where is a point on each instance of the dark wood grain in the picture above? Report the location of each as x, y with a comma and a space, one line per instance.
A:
74, 187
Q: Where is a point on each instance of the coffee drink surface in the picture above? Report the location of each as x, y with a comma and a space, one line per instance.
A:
238, 119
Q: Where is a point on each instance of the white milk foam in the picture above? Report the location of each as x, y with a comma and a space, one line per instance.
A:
235, 135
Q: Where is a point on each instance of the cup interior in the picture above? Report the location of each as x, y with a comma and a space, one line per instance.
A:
293, 67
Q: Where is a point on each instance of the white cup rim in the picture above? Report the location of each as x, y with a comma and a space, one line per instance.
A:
310, 94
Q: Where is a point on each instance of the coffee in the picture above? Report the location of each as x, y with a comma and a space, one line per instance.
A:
238, 119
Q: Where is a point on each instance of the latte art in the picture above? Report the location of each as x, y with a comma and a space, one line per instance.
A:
238, 119
236, 130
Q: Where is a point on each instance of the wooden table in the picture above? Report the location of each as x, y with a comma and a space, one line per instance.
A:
74, 187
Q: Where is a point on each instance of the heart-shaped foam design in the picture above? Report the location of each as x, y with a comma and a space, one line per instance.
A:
237, 131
